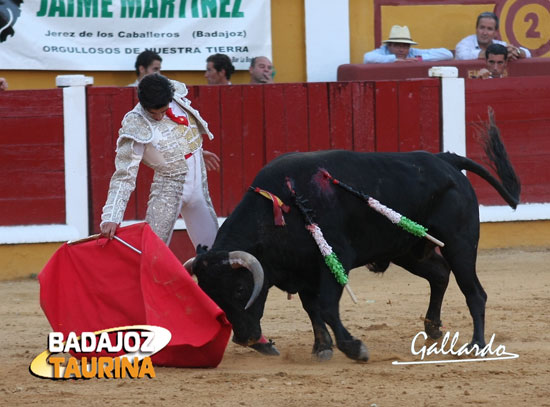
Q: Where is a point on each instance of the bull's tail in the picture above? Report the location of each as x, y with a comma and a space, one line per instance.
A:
488, 135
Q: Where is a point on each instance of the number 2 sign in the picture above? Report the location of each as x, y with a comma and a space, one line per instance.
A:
526, 23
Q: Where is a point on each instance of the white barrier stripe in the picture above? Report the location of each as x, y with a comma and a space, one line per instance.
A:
524, 212
62, 233
37, 234
76, 157
180, 223
453, 112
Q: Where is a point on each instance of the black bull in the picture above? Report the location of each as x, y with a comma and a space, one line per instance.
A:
427, 188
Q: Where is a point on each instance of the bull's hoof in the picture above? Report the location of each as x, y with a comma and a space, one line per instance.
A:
354, 349
323, 355
480, 345
267, 348
432, 329
378, 267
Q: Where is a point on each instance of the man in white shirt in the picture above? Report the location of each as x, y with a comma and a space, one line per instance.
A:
219, 69
146, 63
474, 46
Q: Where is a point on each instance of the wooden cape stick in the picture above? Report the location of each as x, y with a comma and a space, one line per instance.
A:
97, 236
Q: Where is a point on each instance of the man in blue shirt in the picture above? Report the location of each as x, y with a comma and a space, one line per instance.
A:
397, 48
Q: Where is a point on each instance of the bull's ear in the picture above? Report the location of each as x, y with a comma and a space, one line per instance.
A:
201, 249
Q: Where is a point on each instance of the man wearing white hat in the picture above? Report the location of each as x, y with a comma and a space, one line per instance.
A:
397, 48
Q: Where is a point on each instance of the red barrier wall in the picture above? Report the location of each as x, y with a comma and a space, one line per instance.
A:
32, 184
253, 124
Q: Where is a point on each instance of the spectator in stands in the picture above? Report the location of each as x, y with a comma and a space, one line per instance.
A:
496, 57
166, 133
147, 62
3, 84
219, 69
474, 46
397, 48
261, 70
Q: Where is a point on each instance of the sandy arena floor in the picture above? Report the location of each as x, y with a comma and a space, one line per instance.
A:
387, 317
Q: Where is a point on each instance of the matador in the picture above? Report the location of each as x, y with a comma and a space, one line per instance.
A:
164, 132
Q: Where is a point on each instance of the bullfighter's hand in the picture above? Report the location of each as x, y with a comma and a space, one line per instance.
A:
211, 160
3, 84
108, 229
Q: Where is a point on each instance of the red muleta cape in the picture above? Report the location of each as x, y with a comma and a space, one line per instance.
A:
103, 284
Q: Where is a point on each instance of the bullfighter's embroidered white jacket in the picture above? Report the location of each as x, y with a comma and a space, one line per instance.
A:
162, 145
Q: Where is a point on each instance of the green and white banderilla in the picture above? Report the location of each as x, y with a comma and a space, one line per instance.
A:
393, 216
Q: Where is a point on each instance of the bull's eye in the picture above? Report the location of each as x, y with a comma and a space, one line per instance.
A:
239, 293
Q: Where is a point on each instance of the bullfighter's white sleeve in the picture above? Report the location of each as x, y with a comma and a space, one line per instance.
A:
123, 182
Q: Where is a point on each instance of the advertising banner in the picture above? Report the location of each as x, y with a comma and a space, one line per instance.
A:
107, 35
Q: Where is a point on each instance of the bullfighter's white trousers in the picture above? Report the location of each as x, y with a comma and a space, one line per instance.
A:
185, 194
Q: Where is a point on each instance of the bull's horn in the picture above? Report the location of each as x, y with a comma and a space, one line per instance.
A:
189, 265
243, 259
